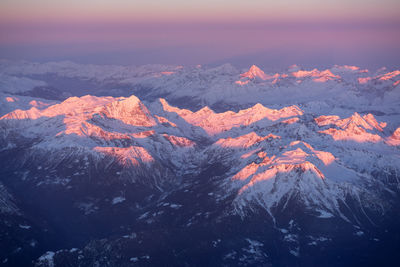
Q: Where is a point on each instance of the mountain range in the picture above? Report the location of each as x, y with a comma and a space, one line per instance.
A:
193, 166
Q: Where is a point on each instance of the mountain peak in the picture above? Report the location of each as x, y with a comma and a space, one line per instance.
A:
355, 127
255, 72
131, 101
130, 111
254, 68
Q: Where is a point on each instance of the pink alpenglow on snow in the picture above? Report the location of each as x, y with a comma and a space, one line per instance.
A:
275, 170
394, 139
255, 72
326, 157
83, 106
143, 134
246, 172
133, 155
390, 75
288, 159
250, 153
165, 121
130, 111
86, 129
244, 141
179, 141
77, 114
353, 68
318, 76
215, 123
242, 82
364, 80
10, 99
167, 72
353, 128
291, 120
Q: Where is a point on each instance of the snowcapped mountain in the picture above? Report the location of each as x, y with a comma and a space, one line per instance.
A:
254, 72
308, 158
221, 88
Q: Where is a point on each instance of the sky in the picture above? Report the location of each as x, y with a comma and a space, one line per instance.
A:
268, 33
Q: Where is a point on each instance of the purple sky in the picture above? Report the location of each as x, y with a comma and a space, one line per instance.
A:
267, 33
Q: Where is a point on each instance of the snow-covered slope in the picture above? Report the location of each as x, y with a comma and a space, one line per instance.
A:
221, 88
192, 147
271, 158
10, 102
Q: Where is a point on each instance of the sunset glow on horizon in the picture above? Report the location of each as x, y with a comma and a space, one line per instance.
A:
206, 10
183, 32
